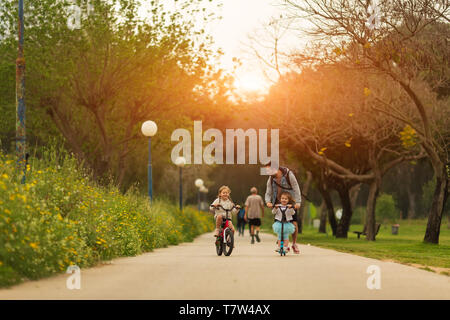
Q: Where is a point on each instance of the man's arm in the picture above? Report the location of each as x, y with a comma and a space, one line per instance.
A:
295, 188
246, 209
268, 195
262, 207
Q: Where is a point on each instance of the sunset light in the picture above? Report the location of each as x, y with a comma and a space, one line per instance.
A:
251, 83
238, 157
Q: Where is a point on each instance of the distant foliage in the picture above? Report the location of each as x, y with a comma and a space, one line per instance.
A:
358, 216
386, 210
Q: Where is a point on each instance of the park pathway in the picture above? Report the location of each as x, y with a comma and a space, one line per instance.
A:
194, 271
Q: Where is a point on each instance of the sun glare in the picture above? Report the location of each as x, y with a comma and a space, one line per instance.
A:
250, 83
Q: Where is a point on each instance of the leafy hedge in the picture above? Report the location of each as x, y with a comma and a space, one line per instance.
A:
60, 217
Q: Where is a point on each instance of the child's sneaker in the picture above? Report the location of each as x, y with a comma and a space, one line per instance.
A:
295, 248
277, 249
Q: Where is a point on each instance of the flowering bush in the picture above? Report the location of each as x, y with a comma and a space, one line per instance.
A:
60, 217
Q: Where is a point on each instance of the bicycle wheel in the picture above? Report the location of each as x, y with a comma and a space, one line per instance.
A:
219, 246
228, 246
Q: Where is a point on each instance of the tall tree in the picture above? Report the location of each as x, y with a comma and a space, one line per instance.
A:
409, 42
99, 81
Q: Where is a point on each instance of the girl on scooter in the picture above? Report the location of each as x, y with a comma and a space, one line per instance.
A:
288, 228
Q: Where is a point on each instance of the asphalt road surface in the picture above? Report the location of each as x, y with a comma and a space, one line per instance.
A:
194, 271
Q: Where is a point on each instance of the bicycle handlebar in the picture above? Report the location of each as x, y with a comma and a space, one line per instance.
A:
220, 206
279, 205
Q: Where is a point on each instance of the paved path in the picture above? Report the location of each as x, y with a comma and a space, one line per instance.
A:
194, 271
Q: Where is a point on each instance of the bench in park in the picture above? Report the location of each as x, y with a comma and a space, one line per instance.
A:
364, 232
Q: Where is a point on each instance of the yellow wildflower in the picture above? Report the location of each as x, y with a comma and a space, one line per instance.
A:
34, 245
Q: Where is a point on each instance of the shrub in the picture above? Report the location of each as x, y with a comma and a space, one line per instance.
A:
60, 218
385, 209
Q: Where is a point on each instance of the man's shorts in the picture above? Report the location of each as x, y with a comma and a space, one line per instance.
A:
254, 222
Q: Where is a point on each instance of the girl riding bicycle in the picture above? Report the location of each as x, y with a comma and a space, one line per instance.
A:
224, 200
288, 228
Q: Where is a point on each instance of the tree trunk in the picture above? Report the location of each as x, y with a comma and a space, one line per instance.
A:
370, 210
302, 207
437, 206
323, 218
330, 209
354, 192
344, 223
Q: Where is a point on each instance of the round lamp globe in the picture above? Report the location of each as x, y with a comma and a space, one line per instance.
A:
180, 161
149, 128
199, 183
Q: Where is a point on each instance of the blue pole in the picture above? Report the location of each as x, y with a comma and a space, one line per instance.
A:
181, 189
150, 187
20, 100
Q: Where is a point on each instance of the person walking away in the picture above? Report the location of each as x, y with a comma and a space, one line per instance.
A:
254, 211
241, 221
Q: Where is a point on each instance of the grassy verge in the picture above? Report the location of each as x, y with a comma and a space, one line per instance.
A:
61, 218
407, 247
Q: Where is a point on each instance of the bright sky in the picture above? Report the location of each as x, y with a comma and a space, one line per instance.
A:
241, 18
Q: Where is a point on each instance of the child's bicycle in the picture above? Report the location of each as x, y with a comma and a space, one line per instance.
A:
225, 239
281, 251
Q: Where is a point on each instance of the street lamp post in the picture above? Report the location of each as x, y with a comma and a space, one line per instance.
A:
149, 129
203, 190
20, 99
198, 183
180, 162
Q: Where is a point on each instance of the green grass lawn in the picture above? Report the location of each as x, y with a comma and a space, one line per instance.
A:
407, 247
